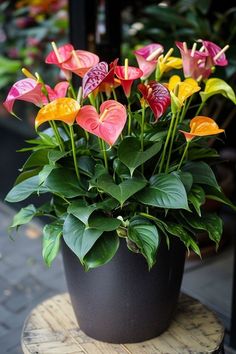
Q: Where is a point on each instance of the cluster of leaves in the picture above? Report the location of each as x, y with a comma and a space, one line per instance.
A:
129, 199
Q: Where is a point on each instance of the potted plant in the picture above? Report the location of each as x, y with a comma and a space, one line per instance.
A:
127, 170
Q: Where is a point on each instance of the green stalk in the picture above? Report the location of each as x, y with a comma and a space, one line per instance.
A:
114, 94
104, 153
72, 90
184, 154
73, 151
199, 108
142, 127
172, 141
167, 141
129, 118
57, 135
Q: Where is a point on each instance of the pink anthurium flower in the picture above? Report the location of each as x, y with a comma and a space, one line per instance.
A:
98, 75
215, 53
59, 55
157, 96
59, 91
147, 58
126, 75
29, 90
80, 62
108, 124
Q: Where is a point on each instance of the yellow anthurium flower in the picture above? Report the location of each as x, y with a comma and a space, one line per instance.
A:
182, 89
63, 109
202, 126
169, 64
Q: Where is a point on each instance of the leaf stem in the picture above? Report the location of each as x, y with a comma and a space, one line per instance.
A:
73, 151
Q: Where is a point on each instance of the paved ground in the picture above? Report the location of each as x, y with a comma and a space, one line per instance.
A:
25, 280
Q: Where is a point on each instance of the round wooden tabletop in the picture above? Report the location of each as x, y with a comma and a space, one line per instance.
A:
52, 328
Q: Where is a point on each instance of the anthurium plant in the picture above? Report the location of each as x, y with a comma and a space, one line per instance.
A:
126, 154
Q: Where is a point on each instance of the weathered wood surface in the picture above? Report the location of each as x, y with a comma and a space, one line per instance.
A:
51, 328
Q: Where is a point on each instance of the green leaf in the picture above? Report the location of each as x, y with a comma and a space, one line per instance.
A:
199, 153
45, 172
146, 237
79, 238
122, 191
55, 155
87, 165
216, 194
197, 198
36, 159
103, 251
64, 182
217, 86
51, 241
24, 216
186, 178
23, 190
82, 211
202, 173
211, 223
129, 152
103, 223
27, 174
165, 191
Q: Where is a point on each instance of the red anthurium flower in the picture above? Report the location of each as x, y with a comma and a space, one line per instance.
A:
147, 58
29, 90
127, 75
201, 126
157, 96
108, 124
59, 91
59, 55
98, 75
80, 62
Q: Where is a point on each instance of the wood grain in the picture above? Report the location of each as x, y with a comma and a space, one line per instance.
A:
51, 328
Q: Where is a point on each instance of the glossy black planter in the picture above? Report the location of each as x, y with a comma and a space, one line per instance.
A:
122, 302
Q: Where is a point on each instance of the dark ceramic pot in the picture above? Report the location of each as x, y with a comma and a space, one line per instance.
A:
122, 302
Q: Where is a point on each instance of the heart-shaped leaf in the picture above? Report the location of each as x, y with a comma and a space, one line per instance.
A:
24, 216
24, 189
129, 152
108, 125
122, 191
165, 191
79, 238
63, 109
51, 241
202, 173
217, 86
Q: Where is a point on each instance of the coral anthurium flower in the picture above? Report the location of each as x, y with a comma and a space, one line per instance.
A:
108, 125
29, 90
157, 96
59, 55
127, 74
80, 62
99, 74
59, 91
202, 126
63, 109
147, 58
183, 90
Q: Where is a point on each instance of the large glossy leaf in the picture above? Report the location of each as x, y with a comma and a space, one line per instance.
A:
129, 152
197, 198
164, 191
24, 216
103, 251
24, 189
146, 237
79, 238
104, 223
64, 182
122, 191
217, 86
202, 173
51, 241
186, 178
211, 223
37, 158
215, 194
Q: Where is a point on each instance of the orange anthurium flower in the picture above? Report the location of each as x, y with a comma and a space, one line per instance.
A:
202, 126
63, 109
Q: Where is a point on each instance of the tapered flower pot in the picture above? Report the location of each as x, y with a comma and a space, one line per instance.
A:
122, 302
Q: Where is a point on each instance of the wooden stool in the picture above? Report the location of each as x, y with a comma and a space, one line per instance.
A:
51, 328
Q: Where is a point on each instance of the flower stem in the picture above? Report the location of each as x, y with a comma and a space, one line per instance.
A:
57, 135
114, 94
129, 118
183, 156
142, 127
104, 153
172, 141
74, 152
199, 108
72, 90
167, 141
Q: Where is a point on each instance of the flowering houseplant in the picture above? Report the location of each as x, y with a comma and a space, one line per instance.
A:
125, 155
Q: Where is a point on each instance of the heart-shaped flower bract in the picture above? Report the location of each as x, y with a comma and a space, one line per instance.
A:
59, 91
58, 58
80, 62
213, 49
63, 109
201, 126
99, 74
107, 125
29, 90
147, 58
132, 74
157, 96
